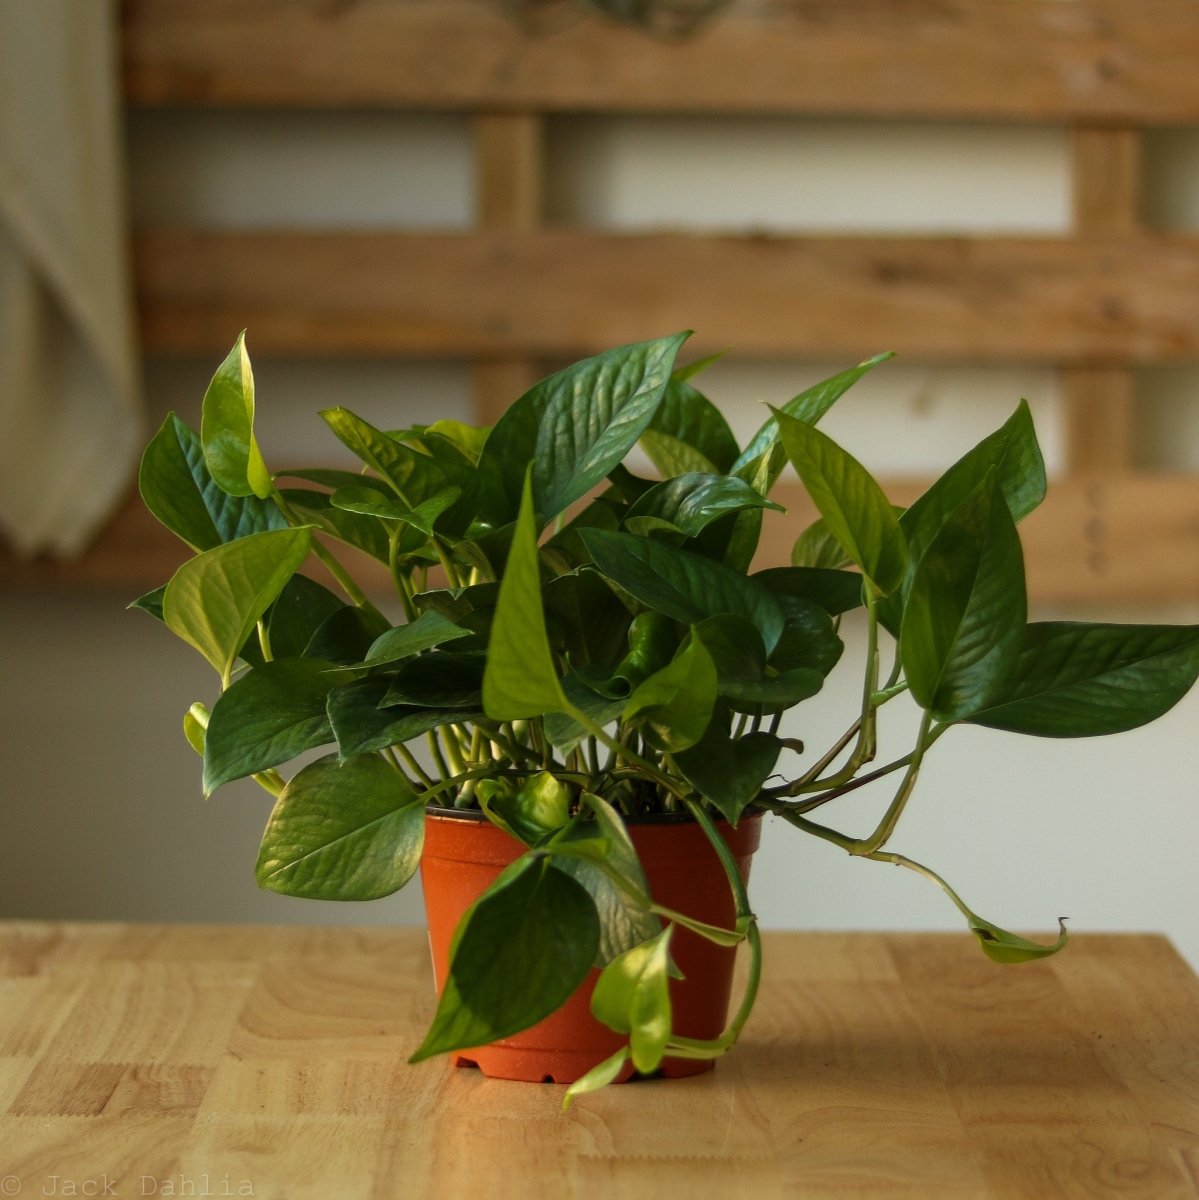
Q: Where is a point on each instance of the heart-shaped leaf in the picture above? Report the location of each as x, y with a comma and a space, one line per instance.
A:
361, 726
214, 600
343, 831
691, 502
1081, 680
682, 585
179, 490
729, 771
267, 717
523, 947
688, 433
965, 613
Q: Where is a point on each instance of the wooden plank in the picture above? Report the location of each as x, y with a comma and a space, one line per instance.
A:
1128, 538
509, 171
1125, 538
1107, 176
563, 292
877, 1066
1100, 418
1101, 60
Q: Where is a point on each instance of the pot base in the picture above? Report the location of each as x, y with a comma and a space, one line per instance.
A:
560, 1066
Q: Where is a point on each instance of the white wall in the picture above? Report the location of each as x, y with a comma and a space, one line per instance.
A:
102, 813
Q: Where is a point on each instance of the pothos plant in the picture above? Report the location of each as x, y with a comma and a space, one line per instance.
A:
578, 646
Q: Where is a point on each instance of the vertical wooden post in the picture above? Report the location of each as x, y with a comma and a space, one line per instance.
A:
1107, 203
509, 153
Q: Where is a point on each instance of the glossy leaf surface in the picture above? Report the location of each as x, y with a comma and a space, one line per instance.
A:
227, 428
343, 831
519, 953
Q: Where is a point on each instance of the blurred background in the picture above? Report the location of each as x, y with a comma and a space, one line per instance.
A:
417, 208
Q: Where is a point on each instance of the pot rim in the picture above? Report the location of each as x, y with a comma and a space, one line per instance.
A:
477, 814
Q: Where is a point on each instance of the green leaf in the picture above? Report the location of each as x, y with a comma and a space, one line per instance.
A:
598, 1077
268, 716
343, 831
690, 503
301, 609
520, 679
729, 771
632, 995
361, 726
575, 426
585, 617
816, 547
587, 429
599, 853
735, 647
774, 692
563, 731
227, 428
853, 506
367, 501
675, 704
835, 591
523, 947
1003, 947
688, 433
151, 602
416, 478
214, 600
179, 490
540, 806
439, 679
346, 635
368, 534
762, 460
682, 585
808, 640
965, 613
195, 727
1082, 680
430, 629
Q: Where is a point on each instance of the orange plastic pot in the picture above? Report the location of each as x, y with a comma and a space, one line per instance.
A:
463, 855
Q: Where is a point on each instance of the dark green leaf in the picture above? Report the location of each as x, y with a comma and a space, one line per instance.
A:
835, 591
1081, 680
585, 618
439, 679
520, 952
808, 638
735, 647
345, 636
361, 726
428, 630
565, 732
268, 716
588, 428
688, 504
729, 772
371, 503
178, 489
573, 424
683, 585
966, 610
151, 602
343, 831
227, 428
852, 504
762, 460
301, 609
368, 534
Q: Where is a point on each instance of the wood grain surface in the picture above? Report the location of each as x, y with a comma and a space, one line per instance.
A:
988, 59
155, 1059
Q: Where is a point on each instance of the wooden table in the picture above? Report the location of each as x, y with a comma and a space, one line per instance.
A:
229, 1060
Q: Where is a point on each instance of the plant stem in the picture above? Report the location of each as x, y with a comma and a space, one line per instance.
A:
401, 584
264, 641
413, 765
438, 757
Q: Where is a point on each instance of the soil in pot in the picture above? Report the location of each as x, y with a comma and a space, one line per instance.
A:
463, 855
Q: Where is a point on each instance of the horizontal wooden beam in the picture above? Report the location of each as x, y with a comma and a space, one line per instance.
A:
1040, 60
559, 293
1127, 539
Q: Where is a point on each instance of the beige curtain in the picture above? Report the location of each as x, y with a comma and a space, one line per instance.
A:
70, 414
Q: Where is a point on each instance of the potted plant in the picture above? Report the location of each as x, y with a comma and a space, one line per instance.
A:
579, 706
